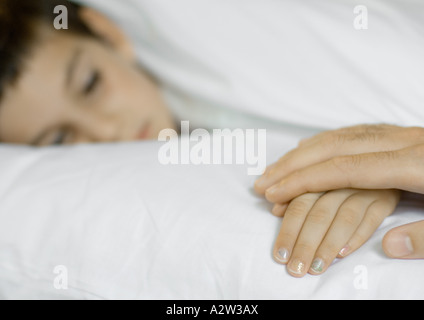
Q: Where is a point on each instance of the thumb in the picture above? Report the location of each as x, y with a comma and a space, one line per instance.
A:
405, 242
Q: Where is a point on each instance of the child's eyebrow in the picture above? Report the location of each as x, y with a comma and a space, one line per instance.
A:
72, 66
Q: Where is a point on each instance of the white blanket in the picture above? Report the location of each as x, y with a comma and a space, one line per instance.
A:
119, 225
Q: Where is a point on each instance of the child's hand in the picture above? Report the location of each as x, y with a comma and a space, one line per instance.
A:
317, 228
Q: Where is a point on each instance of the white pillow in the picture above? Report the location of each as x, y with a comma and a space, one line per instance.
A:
297, 62
116, 224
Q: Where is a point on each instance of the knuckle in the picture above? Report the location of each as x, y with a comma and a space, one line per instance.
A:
368, 133
331, 141
300, 206
375, 128
318, 216
376, 217
297, 209
346, 163
366, 136
362, 133
386, 156
350, 217
304, 247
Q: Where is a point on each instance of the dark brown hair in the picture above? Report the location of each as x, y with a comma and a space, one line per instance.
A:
19, 21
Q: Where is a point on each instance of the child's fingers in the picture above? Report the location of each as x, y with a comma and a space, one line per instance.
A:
294, 218
374, 217
313, 230
318, 227
349, 217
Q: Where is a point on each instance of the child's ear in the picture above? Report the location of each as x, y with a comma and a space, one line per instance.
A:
108, 31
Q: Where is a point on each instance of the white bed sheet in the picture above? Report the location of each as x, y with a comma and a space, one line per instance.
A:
127, 227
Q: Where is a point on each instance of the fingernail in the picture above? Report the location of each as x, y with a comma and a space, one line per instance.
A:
399, 245
318, 265
271, 191
345, 251
282, 255
297, 267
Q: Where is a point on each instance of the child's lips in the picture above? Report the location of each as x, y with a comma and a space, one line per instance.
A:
144, 132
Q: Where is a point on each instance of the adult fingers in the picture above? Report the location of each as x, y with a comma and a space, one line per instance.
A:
349, 141
361, 132
402, 169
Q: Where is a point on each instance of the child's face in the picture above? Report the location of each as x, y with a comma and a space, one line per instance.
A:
77, 90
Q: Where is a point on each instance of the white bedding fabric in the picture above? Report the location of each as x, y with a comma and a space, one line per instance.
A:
296, 62
127, 227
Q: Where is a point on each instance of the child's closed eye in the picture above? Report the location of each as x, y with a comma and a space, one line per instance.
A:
92, 83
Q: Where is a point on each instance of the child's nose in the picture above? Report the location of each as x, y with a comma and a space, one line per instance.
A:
104, 131
98, 129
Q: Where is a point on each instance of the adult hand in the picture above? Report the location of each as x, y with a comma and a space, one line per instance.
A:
361, 157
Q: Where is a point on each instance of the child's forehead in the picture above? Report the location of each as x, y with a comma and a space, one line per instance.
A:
49, 51
47, 61
53, 48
